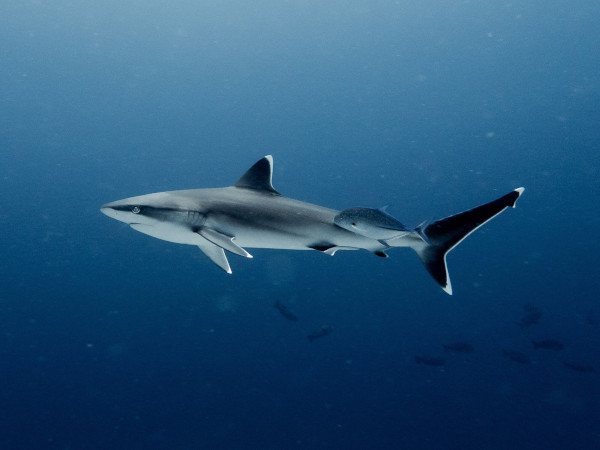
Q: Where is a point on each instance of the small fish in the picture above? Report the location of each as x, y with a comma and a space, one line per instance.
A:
430, 361
516, 356
548, 344
324, 331
459, 347
531, 317
372, 223
592, 319
583, 368
285, 311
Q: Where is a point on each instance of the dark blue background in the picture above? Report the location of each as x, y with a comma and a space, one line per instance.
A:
111, 339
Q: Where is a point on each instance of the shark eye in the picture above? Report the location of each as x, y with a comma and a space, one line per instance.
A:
135, 210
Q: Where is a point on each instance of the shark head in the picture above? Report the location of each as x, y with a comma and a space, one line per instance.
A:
158, 215
134, 210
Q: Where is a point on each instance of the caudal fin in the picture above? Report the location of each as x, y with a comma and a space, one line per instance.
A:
445, 234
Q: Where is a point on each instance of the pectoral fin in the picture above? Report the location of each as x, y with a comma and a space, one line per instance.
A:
223, 241
216, 254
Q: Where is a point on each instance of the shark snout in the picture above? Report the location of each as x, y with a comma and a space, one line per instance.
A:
123, 211
110, 210
105, 209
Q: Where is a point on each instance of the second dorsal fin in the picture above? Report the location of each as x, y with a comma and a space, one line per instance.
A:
259, 177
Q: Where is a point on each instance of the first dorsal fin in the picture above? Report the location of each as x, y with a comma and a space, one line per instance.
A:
259, 177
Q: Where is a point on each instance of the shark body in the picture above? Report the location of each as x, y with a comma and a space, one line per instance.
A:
252, 214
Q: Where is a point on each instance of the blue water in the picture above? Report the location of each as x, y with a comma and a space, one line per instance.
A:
112, 339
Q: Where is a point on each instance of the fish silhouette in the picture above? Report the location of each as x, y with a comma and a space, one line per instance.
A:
285, 311
531, 317
324, 331
459, 347
430, 360
517, 356
583, 368
548, 344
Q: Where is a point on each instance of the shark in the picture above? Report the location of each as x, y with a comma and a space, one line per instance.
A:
251, 214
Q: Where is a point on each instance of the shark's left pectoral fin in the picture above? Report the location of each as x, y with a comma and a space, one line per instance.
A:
223, 241
216, 254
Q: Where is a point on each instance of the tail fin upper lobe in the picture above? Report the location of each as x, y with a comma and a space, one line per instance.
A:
445, 234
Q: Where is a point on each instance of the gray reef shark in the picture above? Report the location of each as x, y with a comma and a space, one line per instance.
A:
252, 214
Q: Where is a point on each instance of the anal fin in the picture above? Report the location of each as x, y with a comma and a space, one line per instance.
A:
223, 241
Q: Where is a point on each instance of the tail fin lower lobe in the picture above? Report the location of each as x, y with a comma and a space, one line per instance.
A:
445, 234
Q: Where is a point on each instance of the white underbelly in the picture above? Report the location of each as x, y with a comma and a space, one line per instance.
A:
177, 234
295, 238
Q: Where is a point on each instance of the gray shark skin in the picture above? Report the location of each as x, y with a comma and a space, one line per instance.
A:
252, 214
